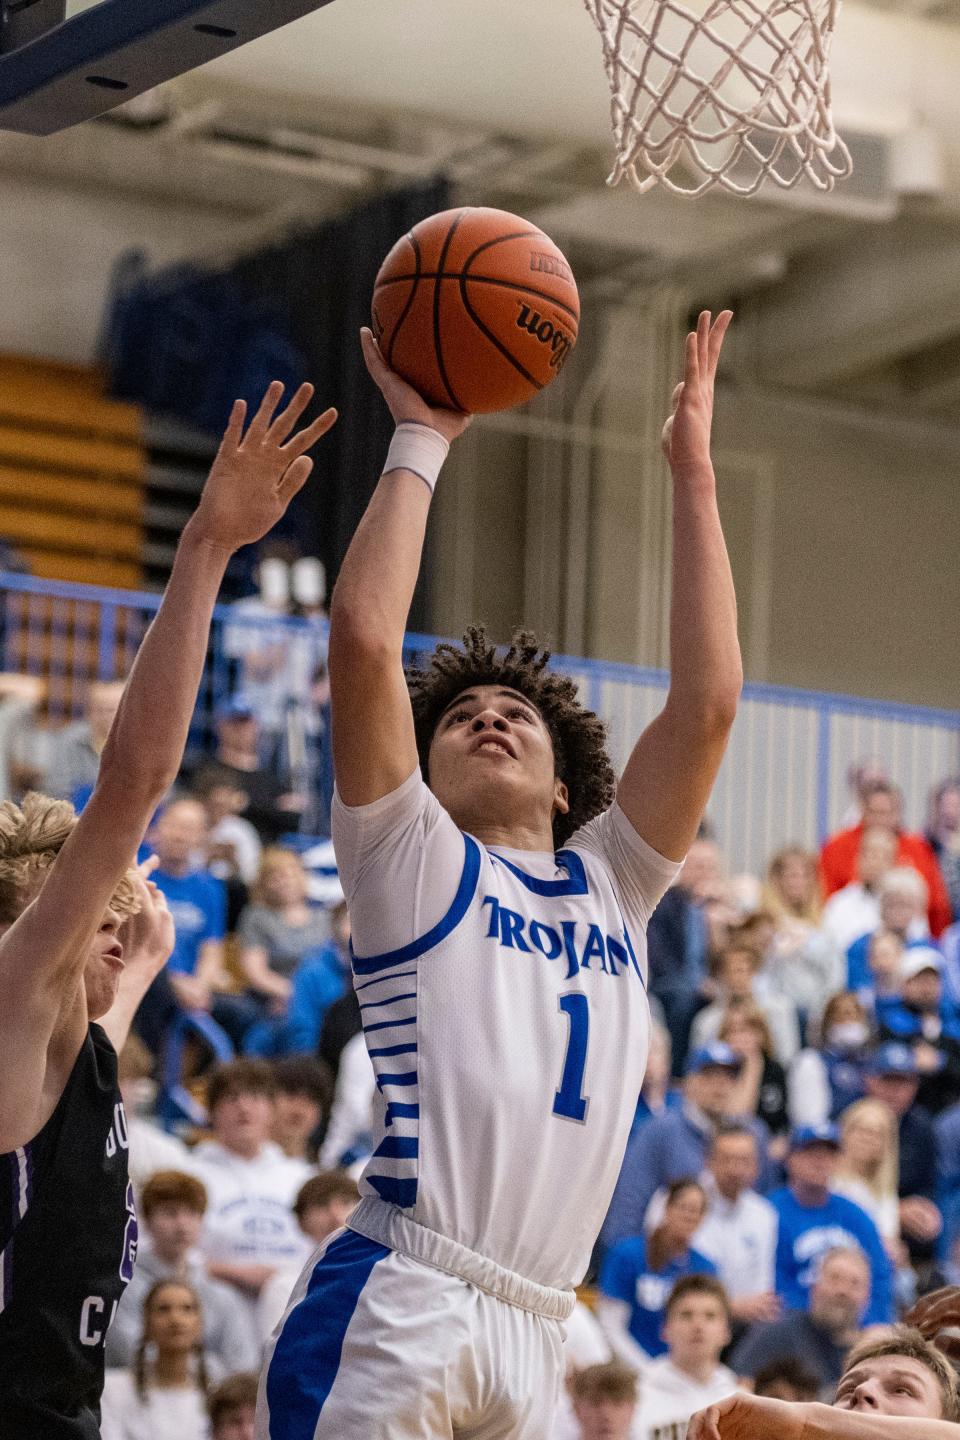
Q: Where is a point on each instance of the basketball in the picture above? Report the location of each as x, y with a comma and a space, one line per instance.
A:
477, 309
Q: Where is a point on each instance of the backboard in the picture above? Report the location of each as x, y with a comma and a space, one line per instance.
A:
117, 49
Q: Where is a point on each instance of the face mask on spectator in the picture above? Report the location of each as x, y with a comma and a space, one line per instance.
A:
847, 1035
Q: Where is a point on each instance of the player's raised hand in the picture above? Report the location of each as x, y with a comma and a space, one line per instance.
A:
686, 434
148, 936
403, 402
256, 474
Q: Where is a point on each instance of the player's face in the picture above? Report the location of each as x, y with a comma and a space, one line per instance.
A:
101, 975
174, 1321
491, 761
696, 1329
891, 1385
604, 1419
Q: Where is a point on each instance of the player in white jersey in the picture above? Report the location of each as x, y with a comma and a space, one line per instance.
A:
499, 897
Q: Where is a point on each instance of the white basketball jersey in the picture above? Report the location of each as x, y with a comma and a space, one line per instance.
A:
509, 1035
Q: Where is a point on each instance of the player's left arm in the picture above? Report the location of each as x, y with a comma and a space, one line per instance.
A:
669, 776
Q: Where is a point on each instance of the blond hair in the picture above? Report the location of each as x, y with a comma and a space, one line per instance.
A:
884, 1180
901, 1341
32, 834
274, 858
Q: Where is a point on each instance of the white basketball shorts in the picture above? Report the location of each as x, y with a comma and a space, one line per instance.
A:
381, 1344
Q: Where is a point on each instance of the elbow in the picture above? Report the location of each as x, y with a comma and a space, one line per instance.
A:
358, 632
138, 774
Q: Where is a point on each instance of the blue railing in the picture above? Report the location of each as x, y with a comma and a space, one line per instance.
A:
783, 779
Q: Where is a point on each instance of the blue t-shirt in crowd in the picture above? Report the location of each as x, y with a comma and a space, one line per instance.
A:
198, 904
807, 1232
625, 1275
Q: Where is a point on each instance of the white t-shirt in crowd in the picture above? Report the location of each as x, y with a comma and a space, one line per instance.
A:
850, 913
164, 1415
249, 1219
884, 1210
668, 1398
740, 1237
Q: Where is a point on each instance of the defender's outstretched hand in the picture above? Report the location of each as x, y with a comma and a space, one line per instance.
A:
403, 402
686, 435
257, 474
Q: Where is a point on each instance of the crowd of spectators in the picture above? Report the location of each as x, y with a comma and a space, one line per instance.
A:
793, 1172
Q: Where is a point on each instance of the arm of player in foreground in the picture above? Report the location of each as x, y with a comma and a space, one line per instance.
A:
43, 955
374, 749
749, 1417
669, 776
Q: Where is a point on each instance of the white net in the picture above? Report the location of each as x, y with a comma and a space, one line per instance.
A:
733, 96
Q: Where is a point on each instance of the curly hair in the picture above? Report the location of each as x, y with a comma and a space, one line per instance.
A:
32, 835
578, 735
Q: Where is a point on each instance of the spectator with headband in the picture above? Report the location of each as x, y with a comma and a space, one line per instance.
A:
897, 1387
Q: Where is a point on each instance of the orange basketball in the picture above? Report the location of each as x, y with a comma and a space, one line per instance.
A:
477, 309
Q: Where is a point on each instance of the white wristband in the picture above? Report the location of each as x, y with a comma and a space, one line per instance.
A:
417, 448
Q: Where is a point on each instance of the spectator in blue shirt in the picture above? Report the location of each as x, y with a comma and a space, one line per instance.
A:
813, 1221
322, 978
639, 1273
675, 1143
195, 978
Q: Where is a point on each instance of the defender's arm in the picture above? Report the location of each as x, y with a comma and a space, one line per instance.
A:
669, 776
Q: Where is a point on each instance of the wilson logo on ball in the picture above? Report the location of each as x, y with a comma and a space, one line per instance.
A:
547, 333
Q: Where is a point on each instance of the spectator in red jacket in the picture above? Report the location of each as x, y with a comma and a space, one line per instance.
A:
882, 807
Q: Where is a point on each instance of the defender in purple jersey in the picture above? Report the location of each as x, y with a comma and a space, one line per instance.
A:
68, 1231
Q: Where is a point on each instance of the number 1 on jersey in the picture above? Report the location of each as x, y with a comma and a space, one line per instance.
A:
570, 1100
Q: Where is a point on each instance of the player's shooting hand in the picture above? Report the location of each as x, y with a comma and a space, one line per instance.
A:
256, 475
686, 434
748, 1417
403, 402
148, 936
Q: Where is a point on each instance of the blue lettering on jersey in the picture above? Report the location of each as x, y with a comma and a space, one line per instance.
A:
580, 944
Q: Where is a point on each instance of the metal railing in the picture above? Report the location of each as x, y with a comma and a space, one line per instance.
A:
783, 779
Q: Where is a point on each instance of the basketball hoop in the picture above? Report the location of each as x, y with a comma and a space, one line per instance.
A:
738, 94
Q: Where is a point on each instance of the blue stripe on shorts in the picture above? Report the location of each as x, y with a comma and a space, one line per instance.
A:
307, 1353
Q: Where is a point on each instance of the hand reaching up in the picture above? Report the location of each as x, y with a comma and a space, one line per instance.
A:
256, 475
686, 434
403, 402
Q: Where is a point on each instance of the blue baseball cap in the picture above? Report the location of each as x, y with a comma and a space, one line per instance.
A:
893, 1059
802, 1136
717, 1053
237, 707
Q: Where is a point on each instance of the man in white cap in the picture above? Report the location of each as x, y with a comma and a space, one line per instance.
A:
921, 1018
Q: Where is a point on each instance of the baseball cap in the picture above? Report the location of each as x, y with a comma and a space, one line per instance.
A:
801, 1136
917, 958
717, 1054
237, 707
893, 1059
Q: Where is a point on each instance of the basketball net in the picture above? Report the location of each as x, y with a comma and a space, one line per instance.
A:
735, 96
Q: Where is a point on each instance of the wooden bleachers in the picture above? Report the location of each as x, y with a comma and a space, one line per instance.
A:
72, 474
